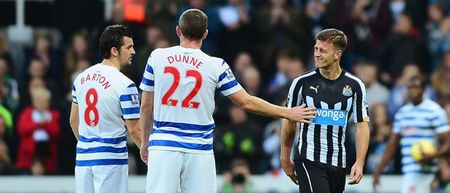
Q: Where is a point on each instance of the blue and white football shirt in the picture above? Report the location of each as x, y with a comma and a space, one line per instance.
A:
184, 81
416, 123
105, 98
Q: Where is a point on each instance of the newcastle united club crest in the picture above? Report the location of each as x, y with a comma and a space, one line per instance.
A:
347, 91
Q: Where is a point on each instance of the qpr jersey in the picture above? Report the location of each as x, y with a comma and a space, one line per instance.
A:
415, 123
105, 98
335, 100
184, 81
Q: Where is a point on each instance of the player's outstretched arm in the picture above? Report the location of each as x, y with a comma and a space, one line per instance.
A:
146, 122
261, 107
287, 138
74, 120
362, 144
389, 152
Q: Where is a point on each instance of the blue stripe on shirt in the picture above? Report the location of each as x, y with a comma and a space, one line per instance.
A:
102, 149
180, 144
148, 82
131, 85
149, 69
132, 110
104, 140
183, 134
228, 85
102, 162
222, 76
125, 97
186, 126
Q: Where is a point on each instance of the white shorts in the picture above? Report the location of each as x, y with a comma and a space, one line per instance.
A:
169, 171
101, 179
416, 183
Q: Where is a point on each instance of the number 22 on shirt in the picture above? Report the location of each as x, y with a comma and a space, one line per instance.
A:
187, 103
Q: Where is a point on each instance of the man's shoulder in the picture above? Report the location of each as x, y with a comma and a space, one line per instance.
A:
354, 79
306, 75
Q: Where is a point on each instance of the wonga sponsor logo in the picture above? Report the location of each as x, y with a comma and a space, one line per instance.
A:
330, 117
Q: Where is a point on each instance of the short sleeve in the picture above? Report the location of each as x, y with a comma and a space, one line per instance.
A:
361, 105
148, 78
129, 102
440, 122
227, 83
397, 123
74, 94
294, 97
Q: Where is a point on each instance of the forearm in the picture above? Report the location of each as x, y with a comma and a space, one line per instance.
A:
389, 152
362, 141
146, 124
444, 144
261, 107
287, 138
74, 127
134, 131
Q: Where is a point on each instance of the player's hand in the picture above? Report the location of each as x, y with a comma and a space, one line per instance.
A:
144, 153
302, 114
289, 169
356, 174
426, 158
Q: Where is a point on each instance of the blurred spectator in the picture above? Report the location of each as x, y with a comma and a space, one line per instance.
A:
397, 7
163, 14
280, 77
4, 52
44, 50
278, 29
239, 32
39, 130
397, 97
441, 181
271, 145
37, 168
438, 32
79, 49
241, 138
440, 78
403, 46
368, 27
211, 43
37, 71
242, 61
237, 179
376, 92
6, 167
153, 39
81, 65
9, 90
6, 125
381, 130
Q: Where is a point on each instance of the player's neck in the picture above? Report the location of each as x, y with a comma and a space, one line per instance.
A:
111, 62
331, 72
194, 44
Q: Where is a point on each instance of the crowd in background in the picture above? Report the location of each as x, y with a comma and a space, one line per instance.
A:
267, 43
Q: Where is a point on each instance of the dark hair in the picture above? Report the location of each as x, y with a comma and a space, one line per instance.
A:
111, 37
417, 81
332, 35
193, 24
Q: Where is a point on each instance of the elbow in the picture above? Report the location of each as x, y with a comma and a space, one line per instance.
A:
246, 104
73, 123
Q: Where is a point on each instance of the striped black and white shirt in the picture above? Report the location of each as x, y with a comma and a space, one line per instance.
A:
335, 101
